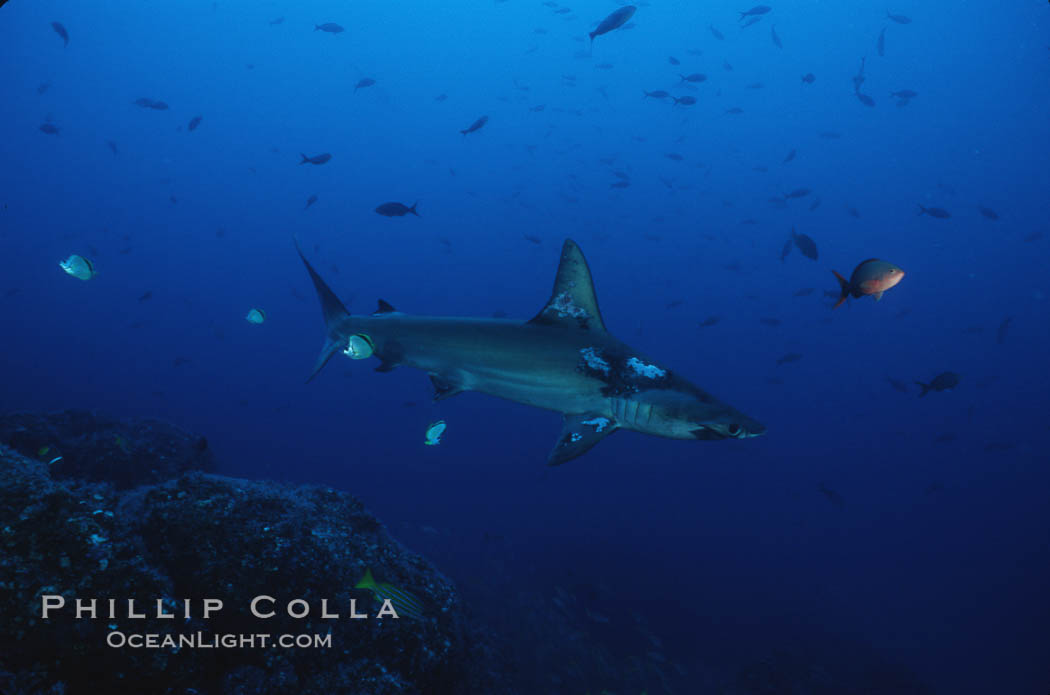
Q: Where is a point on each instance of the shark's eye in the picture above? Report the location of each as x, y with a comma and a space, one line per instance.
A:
734, 429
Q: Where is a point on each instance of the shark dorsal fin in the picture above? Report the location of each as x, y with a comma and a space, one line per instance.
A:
572, 301
385, 307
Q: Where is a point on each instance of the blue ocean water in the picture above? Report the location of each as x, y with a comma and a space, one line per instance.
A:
915, 526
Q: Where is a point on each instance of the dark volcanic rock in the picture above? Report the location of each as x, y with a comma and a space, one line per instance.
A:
201, 536
95, 448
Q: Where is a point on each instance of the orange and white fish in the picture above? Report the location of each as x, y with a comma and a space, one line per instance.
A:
870, 277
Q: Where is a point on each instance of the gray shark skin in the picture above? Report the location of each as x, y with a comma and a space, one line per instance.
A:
563, 359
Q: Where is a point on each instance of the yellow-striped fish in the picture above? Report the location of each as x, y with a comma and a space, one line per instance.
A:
405, 604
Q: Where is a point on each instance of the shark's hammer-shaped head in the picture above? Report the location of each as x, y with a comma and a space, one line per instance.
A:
684, 415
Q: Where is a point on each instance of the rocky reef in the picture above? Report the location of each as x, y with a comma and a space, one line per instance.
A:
129, 511
95, 508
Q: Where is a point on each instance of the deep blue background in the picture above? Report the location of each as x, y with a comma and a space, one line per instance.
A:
725, 547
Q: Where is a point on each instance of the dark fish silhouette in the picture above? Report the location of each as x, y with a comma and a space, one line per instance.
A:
755, 11
364, 82
397, 209
880, 46
832, 496
316, 159
789, 157
988, 213
790, 357
658, 94
684, 101
716, 33
859, 78
776, 39
475, 126
898, 385
945, 381
809, 78
275, 22
194, 122
710, 321
898, 18
61, 31
310, 201
673, 61
695, 77
904, 94
329, 27
938, 213
865, 99
797, 193
806, 246
148, 103
112, 146
43, 87
1004, 326
614, 21
49, 128
146, 296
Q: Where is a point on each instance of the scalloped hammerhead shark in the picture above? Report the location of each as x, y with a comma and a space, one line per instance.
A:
563, 359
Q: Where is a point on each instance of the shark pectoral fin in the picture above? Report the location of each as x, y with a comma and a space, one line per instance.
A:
573, 301
578, 435
444, 387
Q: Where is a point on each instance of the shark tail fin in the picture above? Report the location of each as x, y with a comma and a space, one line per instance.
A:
334, 315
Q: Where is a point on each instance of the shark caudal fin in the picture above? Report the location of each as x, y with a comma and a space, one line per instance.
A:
334, 315
573, 301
